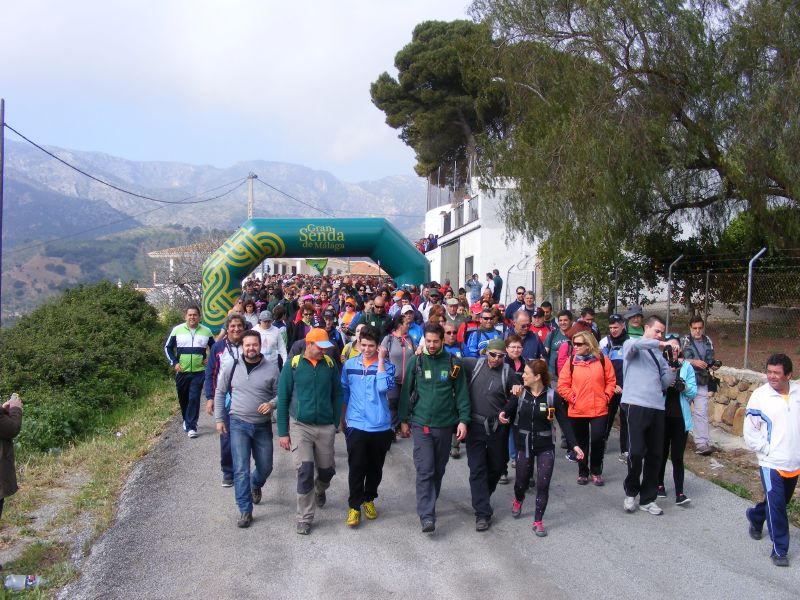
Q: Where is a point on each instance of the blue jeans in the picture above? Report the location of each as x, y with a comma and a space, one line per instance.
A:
250, 439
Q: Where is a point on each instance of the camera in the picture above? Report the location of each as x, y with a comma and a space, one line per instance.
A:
715, 364
672, 359
679, 384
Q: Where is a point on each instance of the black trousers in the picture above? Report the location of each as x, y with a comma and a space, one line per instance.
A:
645, 445
487, 459
675, 436
591, 436
366, 452
613, 407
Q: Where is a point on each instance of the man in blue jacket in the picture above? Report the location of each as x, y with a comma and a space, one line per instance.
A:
367, 422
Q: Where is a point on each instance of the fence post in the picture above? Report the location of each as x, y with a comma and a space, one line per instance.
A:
749, 302
616, 283
562, 281
705, 311
669, 289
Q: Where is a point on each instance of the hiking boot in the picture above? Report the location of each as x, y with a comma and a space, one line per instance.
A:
571, 456
598, 480
244, 520
303, 528
353, 518
661, 491
755, 532
651, 508
256, 494
321, 498
623, 457
779, 561
682, 500
503, 479
227, 482
482, 524
369, 510
629, 504
455, 452
582, 480
703, 450
539, 529
428, 526
516, 508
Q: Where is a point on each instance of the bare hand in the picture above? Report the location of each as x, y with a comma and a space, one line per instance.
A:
578, 452
382, 353
517, 389
13, 402
617, 390
264, 408
405, 431
285, 442
221, 429
210, 407
461, 432
178, 368
502, 417
700, 364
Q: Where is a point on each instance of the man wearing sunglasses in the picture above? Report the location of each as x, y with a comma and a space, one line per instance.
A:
491, 381
377, 317
478, 339
519, 302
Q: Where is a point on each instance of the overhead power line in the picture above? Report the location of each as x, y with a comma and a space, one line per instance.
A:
304, 203
106, 183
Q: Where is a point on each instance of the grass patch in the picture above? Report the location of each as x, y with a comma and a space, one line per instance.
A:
81, 482
734, 488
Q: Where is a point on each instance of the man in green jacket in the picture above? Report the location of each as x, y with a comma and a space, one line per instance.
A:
442, 405
310, 402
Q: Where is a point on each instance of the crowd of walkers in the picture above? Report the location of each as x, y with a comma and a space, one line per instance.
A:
448, 367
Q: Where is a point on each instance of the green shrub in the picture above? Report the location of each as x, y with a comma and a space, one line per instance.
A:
78, 356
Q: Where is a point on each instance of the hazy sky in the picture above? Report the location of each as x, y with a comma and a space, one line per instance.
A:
211, 82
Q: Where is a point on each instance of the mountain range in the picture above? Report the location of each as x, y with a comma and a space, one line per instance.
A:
46, 199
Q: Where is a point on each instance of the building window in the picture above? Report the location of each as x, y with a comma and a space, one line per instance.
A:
469, 267
447, 226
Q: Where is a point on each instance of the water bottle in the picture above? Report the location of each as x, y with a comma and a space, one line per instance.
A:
21, 582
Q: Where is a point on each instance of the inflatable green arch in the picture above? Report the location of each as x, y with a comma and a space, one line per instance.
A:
258, 239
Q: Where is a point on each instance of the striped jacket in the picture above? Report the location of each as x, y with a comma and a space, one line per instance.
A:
188, 347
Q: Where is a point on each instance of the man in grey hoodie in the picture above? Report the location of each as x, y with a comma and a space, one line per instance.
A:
647, 376
253, 383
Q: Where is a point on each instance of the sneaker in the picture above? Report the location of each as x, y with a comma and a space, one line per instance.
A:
321, 499
503, 479
455, 452
703, 450
623, 457
539, 529
682, 500
779, 561
191, 433
256, 494
571, 457
227, 482
245, 519
629, 504
755, 532
582, 480
369, 510
428, 526
598, 480
661, 492
353, 518
652, 508
482, 524
303, 528
516, 508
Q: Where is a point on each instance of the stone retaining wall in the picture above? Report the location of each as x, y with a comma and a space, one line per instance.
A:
726, 410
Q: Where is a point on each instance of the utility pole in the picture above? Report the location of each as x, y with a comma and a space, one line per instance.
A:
250, 199
2, 174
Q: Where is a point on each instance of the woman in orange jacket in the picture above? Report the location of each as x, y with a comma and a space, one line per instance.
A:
587, 382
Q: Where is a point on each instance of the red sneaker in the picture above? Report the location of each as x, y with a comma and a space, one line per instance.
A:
516, 508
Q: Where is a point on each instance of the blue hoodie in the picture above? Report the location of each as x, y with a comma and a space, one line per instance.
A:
364, 392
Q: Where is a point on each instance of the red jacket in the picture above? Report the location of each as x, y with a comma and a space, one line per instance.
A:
588, 388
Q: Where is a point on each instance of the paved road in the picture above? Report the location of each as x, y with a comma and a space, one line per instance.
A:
175, 537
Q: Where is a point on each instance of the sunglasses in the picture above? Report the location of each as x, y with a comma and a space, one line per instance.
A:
495, 354
450, 333
486, 318
579, 344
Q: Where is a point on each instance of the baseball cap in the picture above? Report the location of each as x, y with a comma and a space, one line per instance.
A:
634, 310
615, 318
452, 301
319, 337
407, 309
496, 345
265, 315
434, 292
538, 312
350, 301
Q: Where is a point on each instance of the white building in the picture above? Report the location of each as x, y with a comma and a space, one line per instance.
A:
473, 239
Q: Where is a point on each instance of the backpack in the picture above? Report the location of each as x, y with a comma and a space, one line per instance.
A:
572, 364
550, 407
296, 360
479, 365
